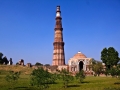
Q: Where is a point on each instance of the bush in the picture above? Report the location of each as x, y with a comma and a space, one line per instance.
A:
41, 78
66, 77
80, 76
12, 78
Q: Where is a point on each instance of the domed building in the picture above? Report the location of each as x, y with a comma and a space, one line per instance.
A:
80, 62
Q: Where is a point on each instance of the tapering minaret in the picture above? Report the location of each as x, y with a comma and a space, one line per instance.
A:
58, 52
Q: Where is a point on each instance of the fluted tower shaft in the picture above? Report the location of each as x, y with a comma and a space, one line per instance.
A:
58, 52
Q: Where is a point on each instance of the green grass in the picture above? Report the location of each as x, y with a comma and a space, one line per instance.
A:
90, 82
22, 69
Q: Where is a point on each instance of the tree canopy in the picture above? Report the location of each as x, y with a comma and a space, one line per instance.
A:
1, 55
42, 78
38, 64
47, 65
12, 78
80, 76
110, 57
97, 67
66, 77
5, 60
1, 59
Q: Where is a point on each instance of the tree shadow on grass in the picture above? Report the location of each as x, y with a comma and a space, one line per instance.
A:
117, 83
73, 85
21, 88
85, 82
77, 85
53, 83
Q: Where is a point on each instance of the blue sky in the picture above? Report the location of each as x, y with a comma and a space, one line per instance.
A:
27, 28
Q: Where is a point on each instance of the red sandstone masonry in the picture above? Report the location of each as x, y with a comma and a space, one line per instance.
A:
58, 51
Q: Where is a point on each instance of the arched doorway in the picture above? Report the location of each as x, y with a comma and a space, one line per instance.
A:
80, 65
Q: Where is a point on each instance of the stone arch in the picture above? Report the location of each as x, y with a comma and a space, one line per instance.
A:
80, 65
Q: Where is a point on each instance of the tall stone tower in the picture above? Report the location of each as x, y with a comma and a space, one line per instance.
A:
58, 52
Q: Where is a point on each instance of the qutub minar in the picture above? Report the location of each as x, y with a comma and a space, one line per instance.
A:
58, 52
75, 64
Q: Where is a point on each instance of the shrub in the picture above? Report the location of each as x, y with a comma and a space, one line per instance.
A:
66, 77
80, 76
41, 78
12, 78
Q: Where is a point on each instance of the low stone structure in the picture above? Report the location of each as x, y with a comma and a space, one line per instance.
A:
60, 67
51, 69
80, 62
21, 62
29, 65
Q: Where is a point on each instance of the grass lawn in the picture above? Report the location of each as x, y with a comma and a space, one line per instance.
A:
90, 82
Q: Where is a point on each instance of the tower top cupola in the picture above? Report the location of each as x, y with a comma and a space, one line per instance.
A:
58, 12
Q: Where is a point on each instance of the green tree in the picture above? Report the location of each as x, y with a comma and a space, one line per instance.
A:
12, 78
5, 60
97, 68
66, 77
118, 71
41, 78
1, 59
47, 65
1, 55
80, 76
115, 71
110, 57
38, 64
53, 78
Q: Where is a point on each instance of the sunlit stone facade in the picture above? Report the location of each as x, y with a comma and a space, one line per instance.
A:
80, 62
58, 52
